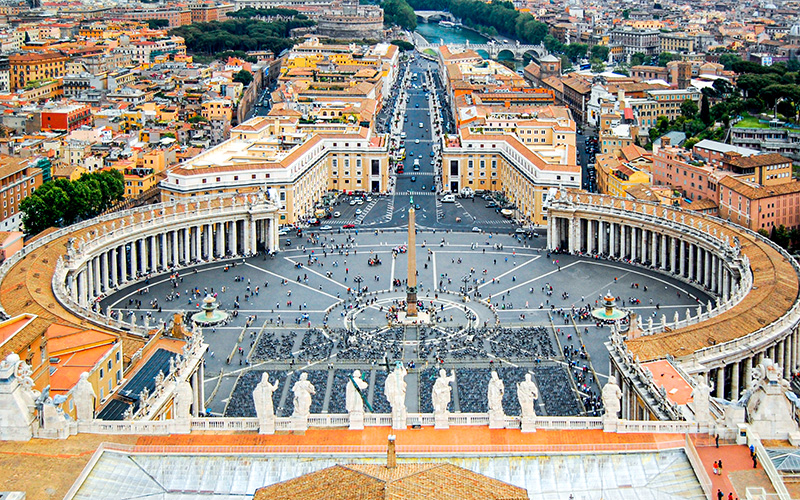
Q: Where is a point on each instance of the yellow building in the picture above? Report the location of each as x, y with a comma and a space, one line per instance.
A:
301, 161
217, 109
73, 351
31, 67
616, 174
525, 160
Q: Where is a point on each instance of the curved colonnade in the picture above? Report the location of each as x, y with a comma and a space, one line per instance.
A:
60, 275
755, 282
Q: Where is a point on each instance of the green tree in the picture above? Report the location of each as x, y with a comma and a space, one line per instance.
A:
598, 66
666, 57
728, 60
399, 13
404, 46
576, 51
155, 24
63, 202
244, 77
705, 110
689, 109
626, 14
600, 52
638, 59
552, 44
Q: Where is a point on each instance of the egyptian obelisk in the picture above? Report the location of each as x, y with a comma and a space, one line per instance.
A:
411, 289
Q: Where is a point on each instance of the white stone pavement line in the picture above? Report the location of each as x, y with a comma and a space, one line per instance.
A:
600, 291
309, 269
533, 258
391, 276
136, 291
634, 271
435, 276
291, 283
262, 311
525, 283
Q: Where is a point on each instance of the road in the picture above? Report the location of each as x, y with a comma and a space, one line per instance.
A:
423, 186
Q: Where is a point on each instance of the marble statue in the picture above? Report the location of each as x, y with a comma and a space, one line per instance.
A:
527, 393
770, 413
496, 391
611, 400
355, 388
184, 397
395, 389
440, 395
84, 398
303, 390
262, 398
700, 398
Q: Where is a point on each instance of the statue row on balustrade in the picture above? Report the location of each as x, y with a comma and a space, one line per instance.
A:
395, 392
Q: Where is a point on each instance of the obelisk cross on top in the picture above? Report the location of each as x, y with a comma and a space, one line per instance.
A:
411, 289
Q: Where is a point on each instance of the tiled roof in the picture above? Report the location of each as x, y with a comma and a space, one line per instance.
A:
406, 481
758, 160
755, 193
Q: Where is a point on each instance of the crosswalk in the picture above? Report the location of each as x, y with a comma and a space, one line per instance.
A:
416, 193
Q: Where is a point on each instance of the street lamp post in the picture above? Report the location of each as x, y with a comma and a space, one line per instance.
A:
358, 279
465, 279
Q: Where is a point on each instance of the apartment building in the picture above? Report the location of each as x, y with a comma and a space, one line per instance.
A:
525, 162
32, 66
302, 162
759, 207
19, 177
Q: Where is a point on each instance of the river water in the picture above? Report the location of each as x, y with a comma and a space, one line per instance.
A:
436, 34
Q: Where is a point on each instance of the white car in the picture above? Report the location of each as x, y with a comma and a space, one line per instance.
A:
358, 211
352, 203
476, 229
416, 141
325, 228
337, 214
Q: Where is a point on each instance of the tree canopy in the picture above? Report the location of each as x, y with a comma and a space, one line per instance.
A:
398, 12
244, 77
63, 202
239, 34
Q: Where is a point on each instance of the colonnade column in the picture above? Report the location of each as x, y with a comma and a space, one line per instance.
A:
571, 235
114, 266
187, 233
175, 259
235, 236
104, 267
163, 242
721, 382
735, 381
623, 241
252, 237
682, 257
612, 238
725, 284
748, 366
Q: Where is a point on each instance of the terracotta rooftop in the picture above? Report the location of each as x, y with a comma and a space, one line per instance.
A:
665, 375
758, 160
755, 193
406, 481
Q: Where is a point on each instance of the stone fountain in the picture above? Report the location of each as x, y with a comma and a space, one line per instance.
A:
211, 314
609, 311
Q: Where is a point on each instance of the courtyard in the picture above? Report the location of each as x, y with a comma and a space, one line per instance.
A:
325, 305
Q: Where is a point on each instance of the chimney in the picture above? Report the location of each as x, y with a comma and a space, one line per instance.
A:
665, 141
391, 455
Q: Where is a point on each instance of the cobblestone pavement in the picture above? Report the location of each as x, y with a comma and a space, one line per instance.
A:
302, 310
